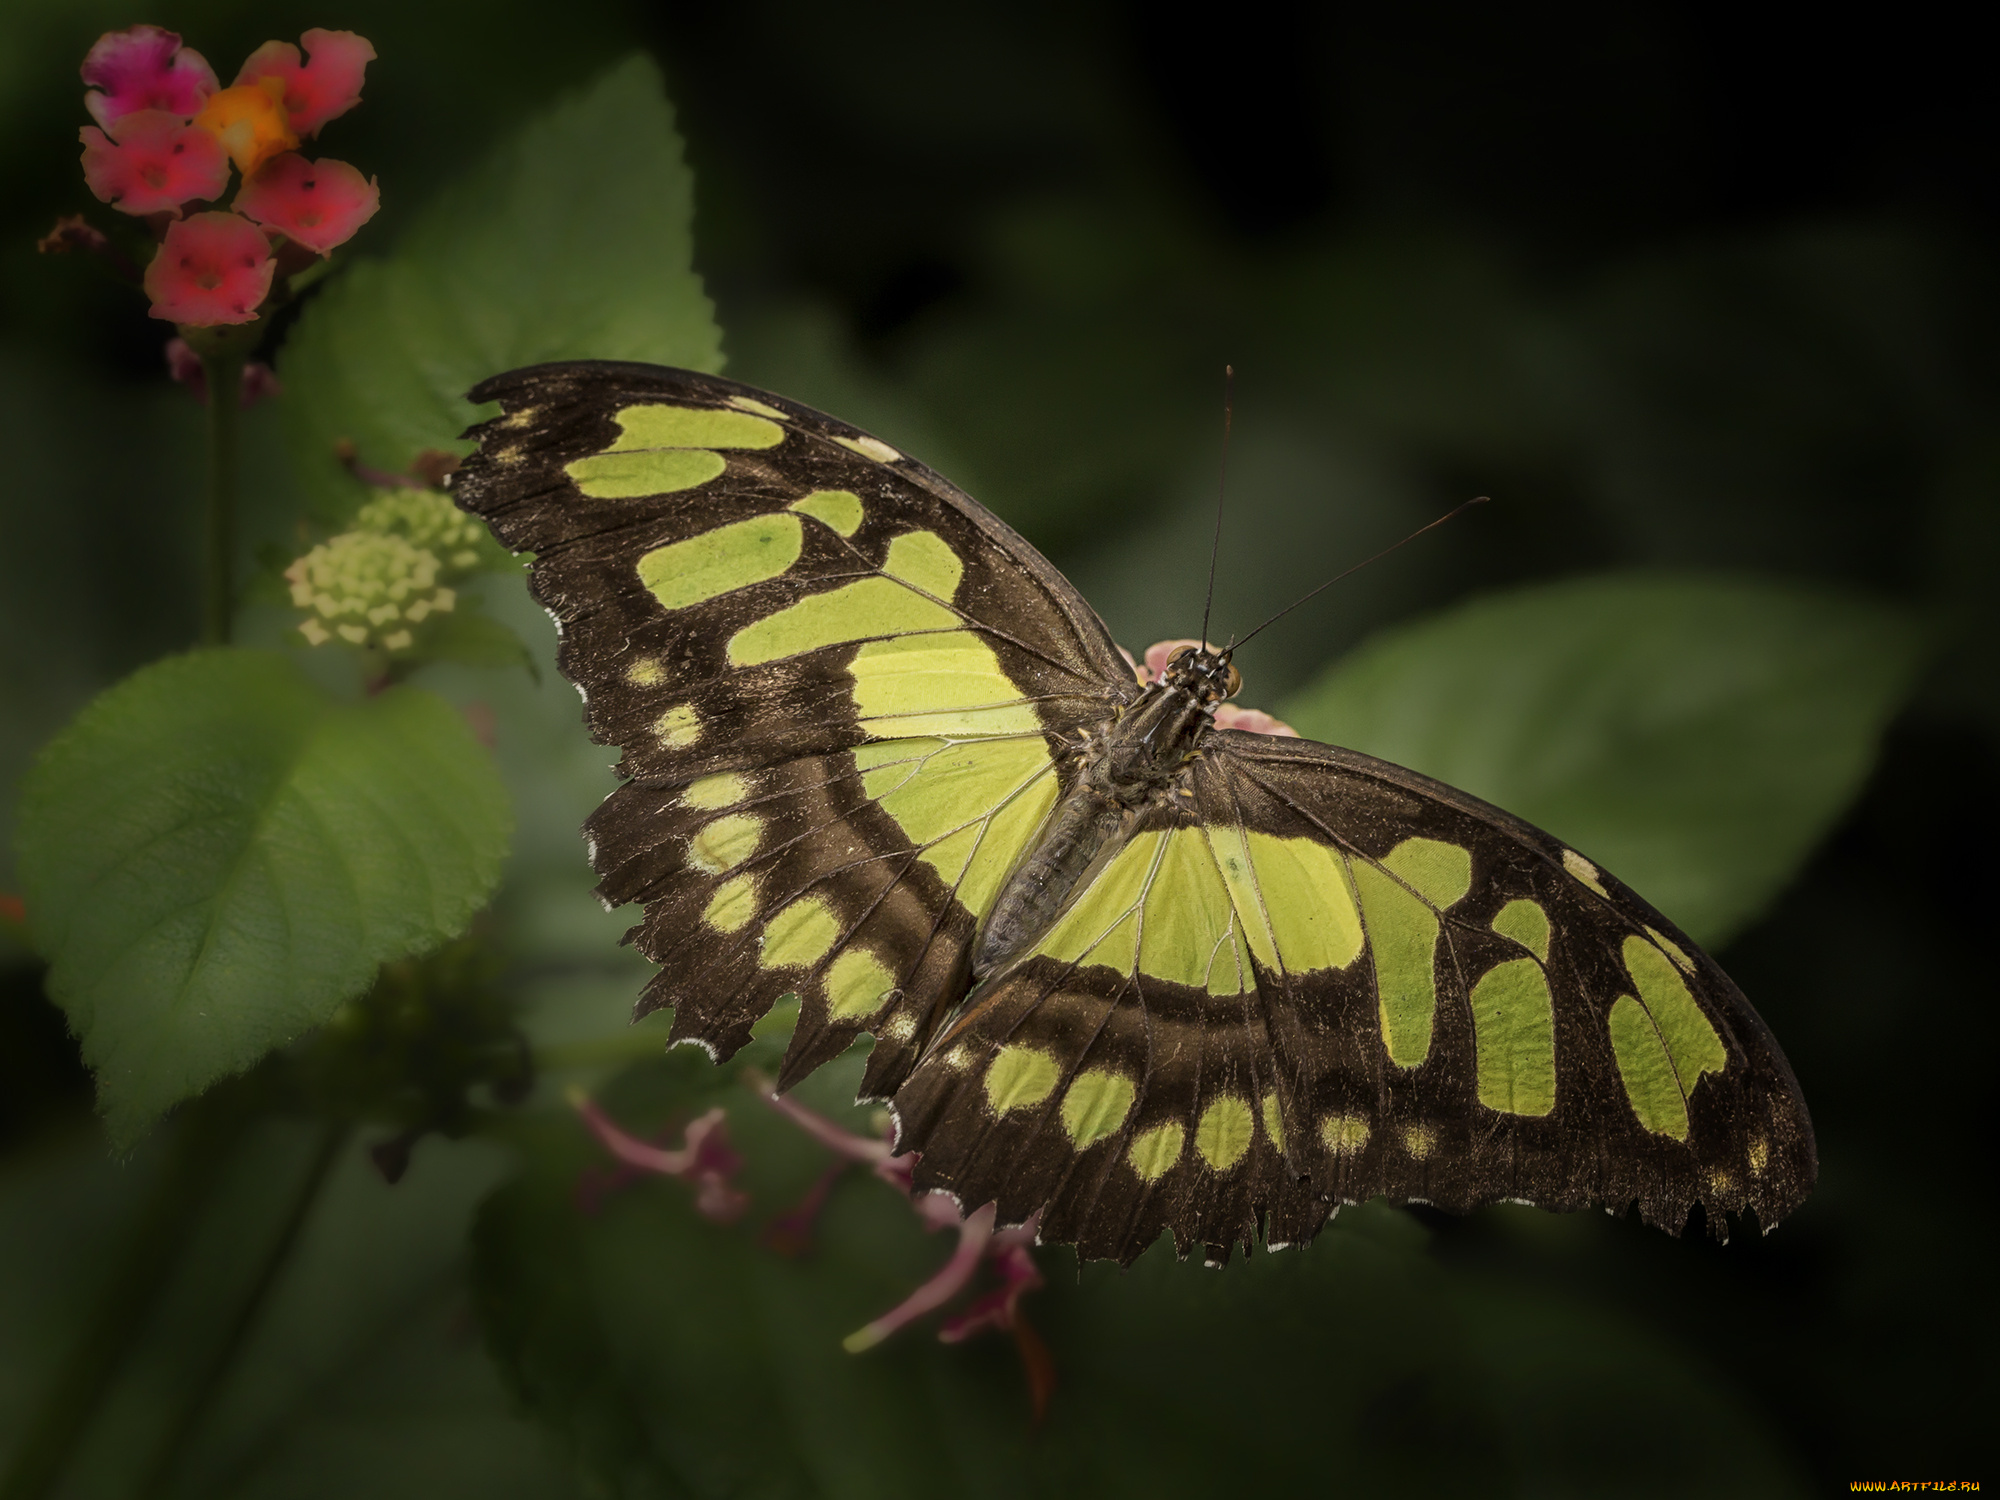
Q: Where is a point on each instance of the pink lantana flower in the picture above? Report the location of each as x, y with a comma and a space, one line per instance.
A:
212, 268
324, 87
153, 162
144, 67
316, 204
1227, 715
705, 1160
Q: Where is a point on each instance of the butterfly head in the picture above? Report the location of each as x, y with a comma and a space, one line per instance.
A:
1204, 672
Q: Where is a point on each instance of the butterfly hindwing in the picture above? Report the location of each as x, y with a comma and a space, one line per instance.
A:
1441, 1004
838, 683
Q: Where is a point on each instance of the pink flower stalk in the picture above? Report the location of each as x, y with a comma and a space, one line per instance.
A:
324, 87
705, 1159
212, 268
144, 67
1227, 715
153, 162
315, 204
1009, 1249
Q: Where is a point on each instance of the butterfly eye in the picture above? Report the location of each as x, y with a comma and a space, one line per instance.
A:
1177, 653
1235, 682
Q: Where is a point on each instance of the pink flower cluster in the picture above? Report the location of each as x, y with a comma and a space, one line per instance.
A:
167, 135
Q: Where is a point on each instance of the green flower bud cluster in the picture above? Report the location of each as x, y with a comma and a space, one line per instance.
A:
429, 520
367, 588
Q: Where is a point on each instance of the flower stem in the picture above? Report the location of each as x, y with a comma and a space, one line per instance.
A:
224, 372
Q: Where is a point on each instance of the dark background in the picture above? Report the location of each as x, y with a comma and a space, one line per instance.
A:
1689, 285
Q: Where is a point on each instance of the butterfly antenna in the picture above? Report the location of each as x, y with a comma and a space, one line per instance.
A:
1222, 489
1477, 500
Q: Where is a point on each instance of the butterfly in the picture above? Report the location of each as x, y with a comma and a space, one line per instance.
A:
1121, 968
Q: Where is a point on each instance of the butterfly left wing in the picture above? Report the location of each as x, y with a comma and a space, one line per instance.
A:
1443, 1004
839, 684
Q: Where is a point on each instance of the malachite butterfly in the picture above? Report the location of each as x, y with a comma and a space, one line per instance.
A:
1120, 966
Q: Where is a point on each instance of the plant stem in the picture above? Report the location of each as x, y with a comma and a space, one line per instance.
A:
209, 1383
152, 1248
224, 372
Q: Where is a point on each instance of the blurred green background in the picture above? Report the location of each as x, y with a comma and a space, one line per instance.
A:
1680, 287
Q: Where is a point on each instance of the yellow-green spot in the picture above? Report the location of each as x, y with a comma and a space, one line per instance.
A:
1440, 872
724, 789
1154, 1152
645, 672
660, 426
1672, 949
924, 560
854, 612
1274, 1123
624, 476
1646, 1072
1019, 1077
869, 447
1095, 1105
1292, 898
1514, 1037
1344, 1135
733, 904
1402, 937
1527, 924
725, 843
1583, 870
721, 561
800, 935
1420, 1140
1188, 928
856, 985
969, 807
1692, 1043
752, 404
678, 727
939, 682
839, 509
1223, 1132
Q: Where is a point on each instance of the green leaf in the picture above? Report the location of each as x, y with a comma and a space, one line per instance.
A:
215, 855
572, 241
1697, 736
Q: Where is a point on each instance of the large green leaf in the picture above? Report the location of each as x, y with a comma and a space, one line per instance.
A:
215, 855
572, 241
1695, 735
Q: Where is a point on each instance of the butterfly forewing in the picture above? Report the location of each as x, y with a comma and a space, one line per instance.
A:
839, 685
